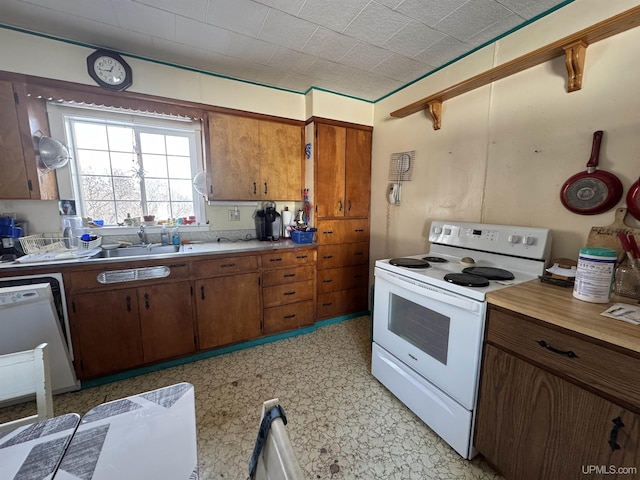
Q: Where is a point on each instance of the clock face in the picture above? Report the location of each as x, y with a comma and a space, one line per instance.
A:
109, 70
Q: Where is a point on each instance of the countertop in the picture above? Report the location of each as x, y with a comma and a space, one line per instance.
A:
185, 249
557, 306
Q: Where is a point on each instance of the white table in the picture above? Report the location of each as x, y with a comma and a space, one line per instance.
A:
147, 436
33, 452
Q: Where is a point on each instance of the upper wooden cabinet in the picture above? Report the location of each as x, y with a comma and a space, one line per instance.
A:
254, 159
20, 118
343, 171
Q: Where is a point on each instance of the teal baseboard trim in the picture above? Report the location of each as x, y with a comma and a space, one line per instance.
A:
213, 353
342, 318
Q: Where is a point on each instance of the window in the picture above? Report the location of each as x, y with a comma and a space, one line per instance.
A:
131, 164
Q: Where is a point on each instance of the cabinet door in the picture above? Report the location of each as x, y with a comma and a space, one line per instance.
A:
107, 332
532, 424
280, 161
228, 309
357, 173
14, 180
234, 147
166, 321
330, 170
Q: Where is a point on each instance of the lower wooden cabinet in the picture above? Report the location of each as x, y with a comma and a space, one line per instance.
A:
228, 309
533, 423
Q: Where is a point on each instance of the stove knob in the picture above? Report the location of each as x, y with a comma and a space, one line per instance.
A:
437, 230
527, 240
447, 231
513, 238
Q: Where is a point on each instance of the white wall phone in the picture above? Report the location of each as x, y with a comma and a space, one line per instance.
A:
400, 170
394, 193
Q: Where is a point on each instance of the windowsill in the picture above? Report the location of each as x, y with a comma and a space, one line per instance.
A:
113, 230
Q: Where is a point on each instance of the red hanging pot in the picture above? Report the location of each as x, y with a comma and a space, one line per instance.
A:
594, 191
633, 199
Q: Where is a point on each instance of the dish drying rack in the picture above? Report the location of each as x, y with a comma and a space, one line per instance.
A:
55, 242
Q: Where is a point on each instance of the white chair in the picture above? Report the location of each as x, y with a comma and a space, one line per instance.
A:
21, 375
273, 458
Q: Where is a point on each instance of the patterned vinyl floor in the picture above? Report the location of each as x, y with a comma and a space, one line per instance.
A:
343, 424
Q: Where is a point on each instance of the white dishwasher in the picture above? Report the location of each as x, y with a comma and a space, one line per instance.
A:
28, 317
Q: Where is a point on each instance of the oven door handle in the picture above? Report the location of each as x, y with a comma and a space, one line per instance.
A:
429, 291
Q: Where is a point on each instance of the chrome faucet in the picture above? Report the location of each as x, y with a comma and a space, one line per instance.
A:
143, 235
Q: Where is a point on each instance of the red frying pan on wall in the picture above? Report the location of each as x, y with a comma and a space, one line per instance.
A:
594, 191
633, 199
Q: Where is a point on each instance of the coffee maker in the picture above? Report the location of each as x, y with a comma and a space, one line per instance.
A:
268, 223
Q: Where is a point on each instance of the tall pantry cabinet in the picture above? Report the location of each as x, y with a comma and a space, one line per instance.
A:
342, 181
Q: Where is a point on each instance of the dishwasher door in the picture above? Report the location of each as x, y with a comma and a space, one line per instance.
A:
28, 318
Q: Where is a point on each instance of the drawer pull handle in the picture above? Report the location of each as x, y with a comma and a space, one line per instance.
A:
359, 230
613, 438
275, 259
328, 256
202, 292
327, 304
128, 303
290, 315
301, 257
227, 265
327, 281
146, 301
358, 253
287, 275
329, 232
289, 293
568, 353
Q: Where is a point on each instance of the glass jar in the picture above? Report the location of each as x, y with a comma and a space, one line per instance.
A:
627, 282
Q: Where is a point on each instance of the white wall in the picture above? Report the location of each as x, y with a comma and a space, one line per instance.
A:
505, 150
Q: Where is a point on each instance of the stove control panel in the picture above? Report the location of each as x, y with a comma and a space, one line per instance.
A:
529, 242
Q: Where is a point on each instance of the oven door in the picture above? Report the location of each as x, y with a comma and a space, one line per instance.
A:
435, 332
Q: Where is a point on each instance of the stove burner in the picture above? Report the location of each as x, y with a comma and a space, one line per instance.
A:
466, 279
409, 263
490, 273
435, 259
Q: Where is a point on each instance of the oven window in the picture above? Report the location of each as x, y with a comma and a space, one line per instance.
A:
421, 327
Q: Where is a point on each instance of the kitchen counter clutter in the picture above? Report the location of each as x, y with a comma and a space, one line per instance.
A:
559, 390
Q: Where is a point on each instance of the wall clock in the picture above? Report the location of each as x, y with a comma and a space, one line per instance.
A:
109, 70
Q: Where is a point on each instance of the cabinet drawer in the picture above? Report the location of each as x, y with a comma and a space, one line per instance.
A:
88, 279
344, 255
282, 276
343, 302
343, 231
288, 317
290, 293
336, 279
224, 266
608, 371
286, 258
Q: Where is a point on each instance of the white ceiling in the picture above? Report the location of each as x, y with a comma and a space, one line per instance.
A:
361, 48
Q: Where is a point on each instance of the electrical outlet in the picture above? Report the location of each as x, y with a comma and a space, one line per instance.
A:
234, 215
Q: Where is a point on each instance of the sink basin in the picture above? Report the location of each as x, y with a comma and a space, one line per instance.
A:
138, 251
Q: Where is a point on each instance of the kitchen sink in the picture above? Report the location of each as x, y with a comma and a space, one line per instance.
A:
138, 251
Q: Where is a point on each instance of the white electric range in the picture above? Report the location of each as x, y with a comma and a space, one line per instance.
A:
429, 316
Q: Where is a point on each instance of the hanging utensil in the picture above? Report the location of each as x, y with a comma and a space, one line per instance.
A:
633, 199
52, 153
594, 191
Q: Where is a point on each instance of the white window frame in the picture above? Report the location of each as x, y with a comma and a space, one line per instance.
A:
67, 176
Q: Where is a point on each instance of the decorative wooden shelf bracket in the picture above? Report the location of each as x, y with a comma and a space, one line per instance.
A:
574, 58
435, 110
572, 47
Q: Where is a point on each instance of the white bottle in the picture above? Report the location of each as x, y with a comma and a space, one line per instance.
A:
164, 235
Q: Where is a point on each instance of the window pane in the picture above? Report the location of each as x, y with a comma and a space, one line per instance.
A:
160, 209
182, 209
91, 135
122, 208
120, 138
157, 190
101, 209
180, 190
155, 165
96, 188
91, 162
152, 143
179, 167
123, 164
126, 188
177, 145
